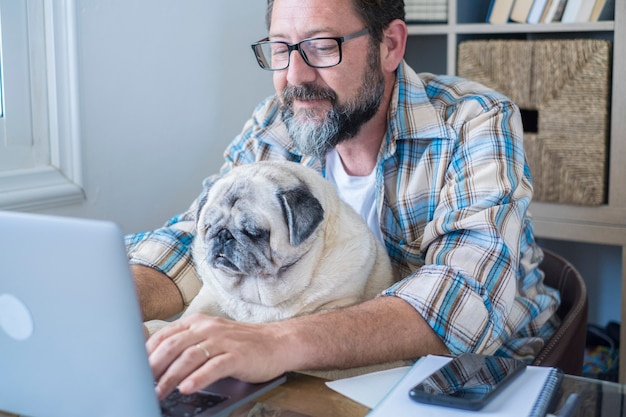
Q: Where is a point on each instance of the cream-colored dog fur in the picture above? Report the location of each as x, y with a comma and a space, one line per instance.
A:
275, 241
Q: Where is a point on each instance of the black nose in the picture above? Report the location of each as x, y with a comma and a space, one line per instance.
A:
224, 236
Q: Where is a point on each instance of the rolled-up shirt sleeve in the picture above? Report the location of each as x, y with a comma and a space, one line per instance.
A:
474, 277
168, 250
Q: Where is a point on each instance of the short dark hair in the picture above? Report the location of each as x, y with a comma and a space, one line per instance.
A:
375, 14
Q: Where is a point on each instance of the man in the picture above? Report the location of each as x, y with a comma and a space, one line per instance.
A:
450, 188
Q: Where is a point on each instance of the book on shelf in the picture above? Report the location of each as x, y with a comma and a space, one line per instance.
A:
426, 10
597, 9
499, 11
584, 13
603, 10
571, 11
560, 9
520, 11
536, 11
548, 11
577, 11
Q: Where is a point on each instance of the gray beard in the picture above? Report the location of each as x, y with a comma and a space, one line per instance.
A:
312, 137
316, 137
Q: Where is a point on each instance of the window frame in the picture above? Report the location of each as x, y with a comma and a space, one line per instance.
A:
57, 178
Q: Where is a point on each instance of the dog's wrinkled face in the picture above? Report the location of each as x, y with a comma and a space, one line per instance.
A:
254, 229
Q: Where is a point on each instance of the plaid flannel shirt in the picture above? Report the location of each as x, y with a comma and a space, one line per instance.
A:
453, 189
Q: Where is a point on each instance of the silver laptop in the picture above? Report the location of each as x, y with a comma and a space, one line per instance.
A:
71, 341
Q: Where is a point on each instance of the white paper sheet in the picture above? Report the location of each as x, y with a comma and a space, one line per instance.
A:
369, 389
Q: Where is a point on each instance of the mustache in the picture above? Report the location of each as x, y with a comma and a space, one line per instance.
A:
307, 92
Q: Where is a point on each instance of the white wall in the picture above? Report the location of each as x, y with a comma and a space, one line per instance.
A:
164, 87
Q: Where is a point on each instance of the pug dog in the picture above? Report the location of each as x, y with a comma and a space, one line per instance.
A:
275, 241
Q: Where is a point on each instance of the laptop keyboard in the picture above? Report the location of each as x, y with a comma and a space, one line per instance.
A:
180, 405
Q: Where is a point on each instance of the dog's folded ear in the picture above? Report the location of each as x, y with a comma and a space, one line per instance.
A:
302, 212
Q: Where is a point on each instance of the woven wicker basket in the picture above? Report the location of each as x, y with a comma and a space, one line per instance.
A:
568, 83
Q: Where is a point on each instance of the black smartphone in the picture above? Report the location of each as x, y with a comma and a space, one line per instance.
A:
468, 381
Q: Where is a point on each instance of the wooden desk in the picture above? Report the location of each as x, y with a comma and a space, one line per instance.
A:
307, 396
302, 396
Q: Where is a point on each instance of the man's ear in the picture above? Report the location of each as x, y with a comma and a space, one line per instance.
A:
393, 46
302, 212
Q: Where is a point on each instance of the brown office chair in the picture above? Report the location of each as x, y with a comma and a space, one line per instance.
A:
565, 349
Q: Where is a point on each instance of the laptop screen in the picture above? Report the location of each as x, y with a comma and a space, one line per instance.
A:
71, 339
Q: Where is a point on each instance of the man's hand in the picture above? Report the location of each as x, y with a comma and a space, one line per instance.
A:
197, 350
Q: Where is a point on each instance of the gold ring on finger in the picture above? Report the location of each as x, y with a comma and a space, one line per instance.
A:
204, 350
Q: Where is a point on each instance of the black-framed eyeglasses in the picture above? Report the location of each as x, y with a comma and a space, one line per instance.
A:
316, 52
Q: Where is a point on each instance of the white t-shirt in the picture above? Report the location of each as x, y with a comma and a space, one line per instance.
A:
358, 192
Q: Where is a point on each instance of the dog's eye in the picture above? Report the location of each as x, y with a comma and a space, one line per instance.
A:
253, 233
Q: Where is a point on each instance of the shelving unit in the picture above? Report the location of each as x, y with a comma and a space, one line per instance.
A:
433, 48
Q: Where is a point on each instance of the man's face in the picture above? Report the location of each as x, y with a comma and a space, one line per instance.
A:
322, 107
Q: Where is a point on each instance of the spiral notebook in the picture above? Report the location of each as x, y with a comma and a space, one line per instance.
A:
530, 394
